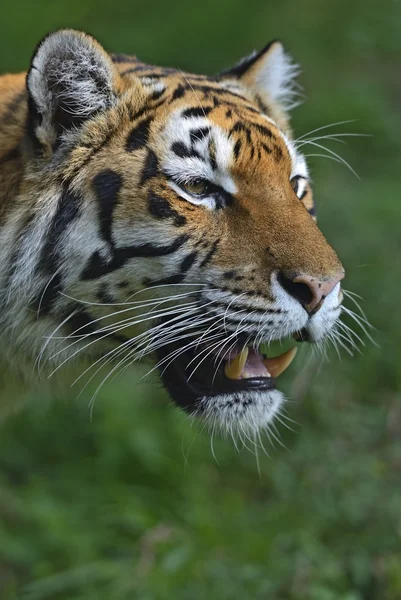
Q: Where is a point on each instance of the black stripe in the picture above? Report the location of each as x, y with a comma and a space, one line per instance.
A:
47, 296
278, 153
262, 106
160, 208
241, 306
80, 323
246, 63
188, 261
185, 265
181, 150
156, 94
139, 136
33, 120
266, 148
151, 76
104, 295
68, 210
212, 156
123, 58
237, 148
239, 126
194, 77
97, 266
179, 92
241, 319
264, 131
251, 109
134, 116
210, 254
172, 280
241, 292
93, 151
107, 185
137, 69
196, 111
197, 135
209, 89
151, 167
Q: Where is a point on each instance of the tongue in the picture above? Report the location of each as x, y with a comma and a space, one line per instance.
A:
249, 363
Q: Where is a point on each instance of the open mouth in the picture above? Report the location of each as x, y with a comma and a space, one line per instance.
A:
193, 375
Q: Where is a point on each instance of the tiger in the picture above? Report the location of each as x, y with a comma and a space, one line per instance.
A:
150, 214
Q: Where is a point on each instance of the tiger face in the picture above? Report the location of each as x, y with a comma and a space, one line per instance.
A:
171, 216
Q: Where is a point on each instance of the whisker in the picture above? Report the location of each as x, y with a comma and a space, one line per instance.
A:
114, 353
361, 324
349, 293
48, 340
235, 334
106, 378
133, 305
116, 330
334, 137
323, 156
340, 158
113, 370
324, 127
351, 333
352, 297
45, 290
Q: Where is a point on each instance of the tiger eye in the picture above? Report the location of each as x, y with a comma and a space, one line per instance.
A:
196, 188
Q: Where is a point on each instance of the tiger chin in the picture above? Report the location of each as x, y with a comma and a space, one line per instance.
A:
147, 212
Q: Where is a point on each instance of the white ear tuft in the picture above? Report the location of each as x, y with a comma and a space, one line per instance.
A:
71, 79
276, 75
271, 74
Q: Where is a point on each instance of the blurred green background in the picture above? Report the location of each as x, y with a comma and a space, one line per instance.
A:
133, 504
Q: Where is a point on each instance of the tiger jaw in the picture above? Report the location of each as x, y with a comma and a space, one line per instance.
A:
236, 390
233, 391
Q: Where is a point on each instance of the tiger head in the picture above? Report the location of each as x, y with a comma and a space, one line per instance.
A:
174, 218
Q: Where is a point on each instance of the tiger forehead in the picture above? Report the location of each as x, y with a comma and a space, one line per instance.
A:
225, 103
224, 137
250, 130
224, 100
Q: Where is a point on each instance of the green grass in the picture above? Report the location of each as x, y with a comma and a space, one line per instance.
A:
134, 504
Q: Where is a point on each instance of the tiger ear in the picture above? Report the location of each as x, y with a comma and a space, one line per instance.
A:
270, 74
71, 78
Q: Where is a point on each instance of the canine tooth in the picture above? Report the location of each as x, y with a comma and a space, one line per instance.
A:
233, 369
277, 365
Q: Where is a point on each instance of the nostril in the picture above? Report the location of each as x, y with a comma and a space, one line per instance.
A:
299, 291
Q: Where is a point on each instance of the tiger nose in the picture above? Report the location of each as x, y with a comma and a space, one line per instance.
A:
309, 291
